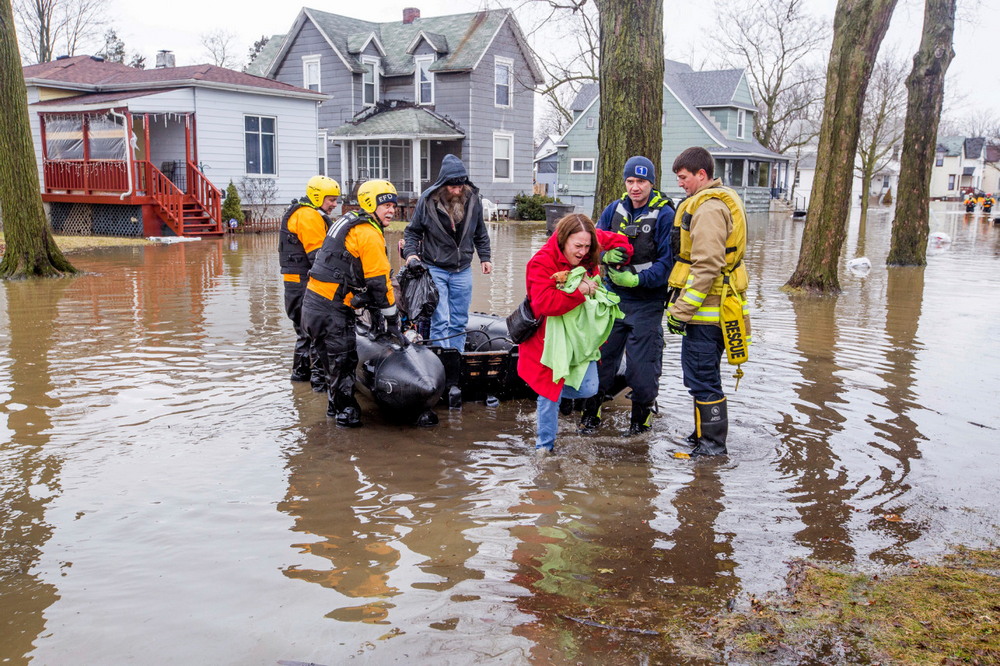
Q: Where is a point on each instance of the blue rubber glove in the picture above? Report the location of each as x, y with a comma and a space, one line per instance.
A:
614, 257
623, 278
675, 325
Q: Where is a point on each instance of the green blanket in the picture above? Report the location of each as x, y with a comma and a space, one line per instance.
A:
574, 339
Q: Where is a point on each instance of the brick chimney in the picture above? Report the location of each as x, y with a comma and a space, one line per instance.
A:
409, 14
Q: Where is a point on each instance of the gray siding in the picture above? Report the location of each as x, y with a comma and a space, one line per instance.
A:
486, 118
335, 80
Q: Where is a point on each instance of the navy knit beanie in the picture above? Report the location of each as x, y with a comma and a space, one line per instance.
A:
640, 167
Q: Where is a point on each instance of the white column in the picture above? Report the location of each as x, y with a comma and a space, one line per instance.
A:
415, 166
345, 176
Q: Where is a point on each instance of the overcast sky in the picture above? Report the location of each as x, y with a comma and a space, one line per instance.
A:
178, 26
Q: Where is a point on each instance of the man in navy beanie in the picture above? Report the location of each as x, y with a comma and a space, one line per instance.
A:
646, 217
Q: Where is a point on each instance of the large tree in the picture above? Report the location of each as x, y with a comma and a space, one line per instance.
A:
50, 28
881, 124
220, 46
858, 29
631, 71
775, 42
31, 250
925, 94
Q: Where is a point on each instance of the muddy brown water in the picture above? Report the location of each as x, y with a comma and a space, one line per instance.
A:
168, 497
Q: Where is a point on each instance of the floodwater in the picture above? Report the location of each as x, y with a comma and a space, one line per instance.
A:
167, 496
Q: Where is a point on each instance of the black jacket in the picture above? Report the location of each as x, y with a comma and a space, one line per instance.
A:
429, 233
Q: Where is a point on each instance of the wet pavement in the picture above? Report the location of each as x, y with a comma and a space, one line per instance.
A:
168, 496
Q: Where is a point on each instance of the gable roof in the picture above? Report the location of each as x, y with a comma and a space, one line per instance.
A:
974, 147
462, 39
265, 57
398, 120
93, 74
695, 90
951, 146
713, 87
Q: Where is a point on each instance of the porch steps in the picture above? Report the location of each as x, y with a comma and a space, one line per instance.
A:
195, 221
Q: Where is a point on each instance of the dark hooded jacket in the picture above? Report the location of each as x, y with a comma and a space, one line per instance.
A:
429, 234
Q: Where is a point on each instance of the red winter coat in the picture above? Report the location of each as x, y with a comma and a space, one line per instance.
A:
547, 300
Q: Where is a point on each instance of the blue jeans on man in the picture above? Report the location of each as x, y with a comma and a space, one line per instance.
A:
454, 299
547, 414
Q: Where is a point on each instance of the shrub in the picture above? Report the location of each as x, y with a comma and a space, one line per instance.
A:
530, 206
231, 205
887, 199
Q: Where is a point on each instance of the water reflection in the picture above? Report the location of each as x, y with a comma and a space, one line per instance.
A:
29, 473
153, 449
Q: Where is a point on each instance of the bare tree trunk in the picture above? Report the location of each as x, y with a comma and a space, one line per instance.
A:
925, 92
31, 250
858, 29
631, 116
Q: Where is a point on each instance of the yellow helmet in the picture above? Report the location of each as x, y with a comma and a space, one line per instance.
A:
374, 193
320, 187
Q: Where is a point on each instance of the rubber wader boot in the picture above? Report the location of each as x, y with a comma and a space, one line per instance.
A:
300, 368
318, 380
345, 410
712, 426
642, 419
591, 419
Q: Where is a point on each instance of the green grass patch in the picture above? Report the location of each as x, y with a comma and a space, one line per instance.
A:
945, 613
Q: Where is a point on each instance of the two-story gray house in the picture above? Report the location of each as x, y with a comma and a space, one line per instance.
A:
712, 109
404, 94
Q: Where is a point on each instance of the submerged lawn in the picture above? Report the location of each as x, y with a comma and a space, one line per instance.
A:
948, 613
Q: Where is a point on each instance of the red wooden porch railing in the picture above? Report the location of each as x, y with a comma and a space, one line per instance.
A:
85, 176
208, 195
153, 182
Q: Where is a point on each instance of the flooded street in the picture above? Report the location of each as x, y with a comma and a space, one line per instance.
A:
167, 496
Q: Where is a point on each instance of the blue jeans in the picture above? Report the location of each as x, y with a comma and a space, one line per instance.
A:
452, 313
701, 360
547, 414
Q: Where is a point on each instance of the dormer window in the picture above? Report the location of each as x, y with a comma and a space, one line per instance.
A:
424, 79
369, 81
503, 77
741, 123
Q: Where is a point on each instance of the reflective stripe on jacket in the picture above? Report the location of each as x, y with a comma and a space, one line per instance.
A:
710, 226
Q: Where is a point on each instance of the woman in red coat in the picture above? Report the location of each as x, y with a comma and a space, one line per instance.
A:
575, 242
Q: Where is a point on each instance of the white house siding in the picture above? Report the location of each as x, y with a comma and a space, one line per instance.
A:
952, 166
335, 80
486, 118
221, 140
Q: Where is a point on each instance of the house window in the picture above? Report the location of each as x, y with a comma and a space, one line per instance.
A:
741, 121
321, 151
503, 75
503, 157
885, 181
310, 72
258, 132
582, 166
424, 79
425, 161
940, 160
372, 160
951, 182
369, 81
798, 175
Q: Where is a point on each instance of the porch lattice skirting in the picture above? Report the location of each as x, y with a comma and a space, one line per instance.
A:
82, 219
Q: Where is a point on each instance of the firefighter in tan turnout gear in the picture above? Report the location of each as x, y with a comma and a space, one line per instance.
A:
708, 282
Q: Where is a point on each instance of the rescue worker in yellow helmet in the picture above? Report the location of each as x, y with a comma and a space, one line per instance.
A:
303, 228
710, 229
351, 271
